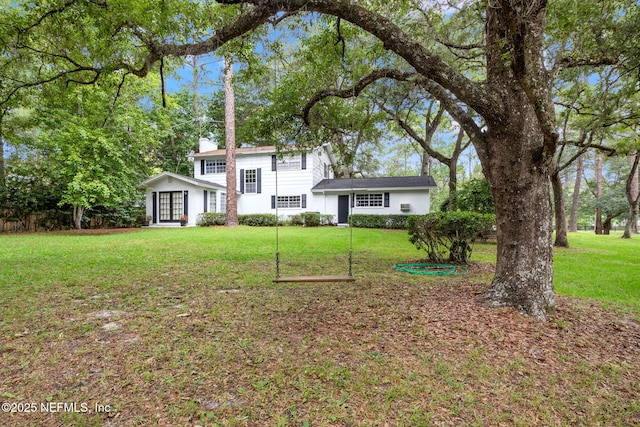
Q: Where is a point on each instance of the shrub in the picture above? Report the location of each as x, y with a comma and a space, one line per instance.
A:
208, 219
448, 236
258, 220
379, 221
326, 219
311, 219
296, 219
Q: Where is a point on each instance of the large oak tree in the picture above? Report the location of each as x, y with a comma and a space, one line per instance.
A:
515, 137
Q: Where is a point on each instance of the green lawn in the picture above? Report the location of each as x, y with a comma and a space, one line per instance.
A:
184, 327
605, 268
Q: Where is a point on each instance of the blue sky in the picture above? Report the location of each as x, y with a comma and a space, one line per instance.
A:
210, 79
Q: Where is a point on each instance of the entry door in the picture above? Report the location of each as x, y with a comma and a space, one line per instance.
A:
343, 209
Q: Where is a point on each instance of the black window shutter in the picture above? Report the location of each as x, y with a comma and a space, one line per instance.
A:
205, 201
259, 180
186, 203
304, 201
386, 200
353, 199
242, 181
273, 162
154, 209
304, 160
273, 202
201, 167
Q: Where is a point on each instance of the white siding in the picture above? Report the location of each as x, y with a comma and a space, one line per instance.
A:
290, 183
170, 184
418, 200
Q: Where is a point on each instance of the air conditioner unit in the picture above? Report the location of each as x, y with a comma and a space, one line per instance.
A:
405, 207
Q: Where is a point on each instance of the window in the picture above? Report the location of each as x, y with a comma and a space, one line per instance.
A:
251, 181
215, 166
326, 170
223, 202
171, 206
290, 163
289, 202
212, 201
373, 200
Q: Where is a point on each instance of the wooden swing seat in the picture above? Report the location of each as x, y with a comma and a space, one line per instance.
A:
309, 279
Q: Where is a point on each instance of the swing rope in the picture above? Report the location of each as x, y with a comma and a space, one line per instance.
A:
333, 278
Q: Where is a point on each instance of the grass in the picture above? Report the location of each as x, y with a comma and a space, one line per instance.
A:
605, 268
184, 327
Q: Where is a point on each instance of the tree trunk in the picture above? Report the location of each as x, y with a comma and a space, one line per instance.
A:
635, 194
453, 171
78, 213
598, 218
2, 171
573, 221
631, 191
521, 140
559, 210
230, 145
425, 165
524, 267
606, 225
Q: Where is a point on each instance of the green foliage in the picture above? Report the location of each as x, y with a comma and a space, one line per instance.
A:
296, 219
126, 216
208, 219
327, 219
474, 196
258, 220
311, 219
379, 221
448, 236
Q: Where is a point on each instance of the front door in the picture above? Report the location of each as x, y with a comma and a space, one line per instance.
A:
343, 209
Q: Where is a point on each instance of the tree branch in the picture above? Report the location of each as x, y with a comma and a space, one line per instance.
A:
242, 24
414, 135
355, 90
450, 104
425, 62
571, 62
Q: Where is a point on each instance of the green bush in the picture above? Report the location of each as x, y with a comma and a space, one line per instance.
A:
397, 222
296, 219
326, 219
311, 219
258, 220
208, 219
448, 236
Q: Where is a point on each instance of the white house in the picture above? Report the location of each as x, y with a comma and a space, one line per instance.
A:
304, 180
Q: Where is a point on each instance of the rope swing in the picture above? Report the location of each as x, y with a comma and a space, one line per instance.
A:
334, 278
302, 279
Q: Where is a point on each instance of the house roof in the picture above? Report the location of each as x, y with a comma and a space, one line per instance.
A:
244, 150
257, 150
193, 181
380, 183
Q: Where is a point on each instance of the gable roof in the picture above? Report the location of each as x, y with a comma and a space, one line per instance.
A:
380, 183
193, 181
